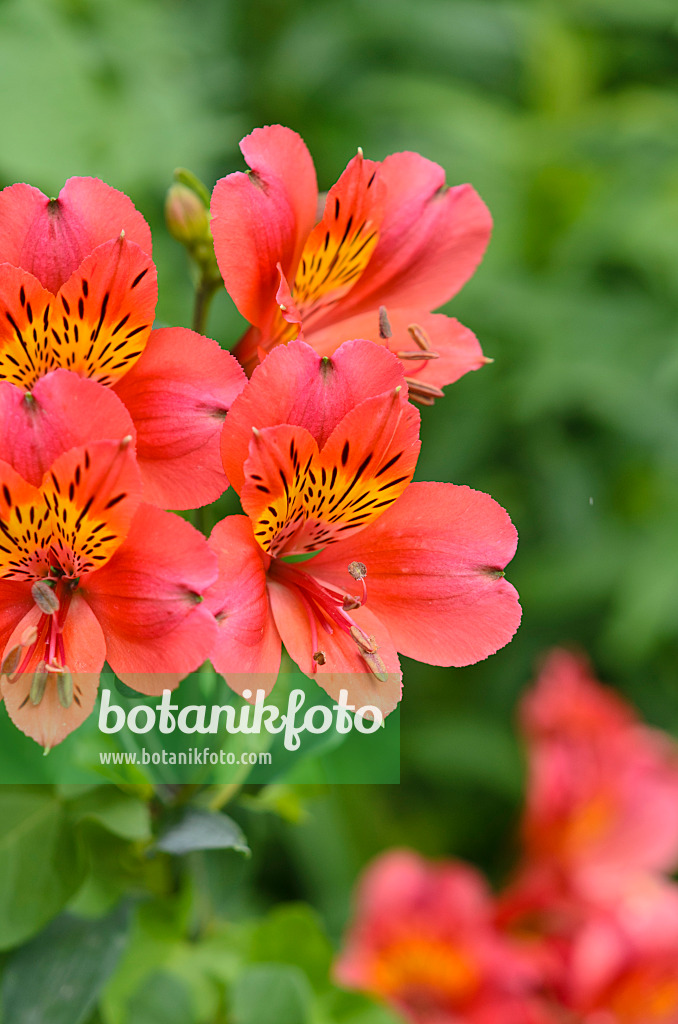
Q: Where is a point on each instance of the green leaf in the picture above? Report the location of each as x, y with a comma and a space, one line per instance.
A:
199, 829
118, 812
293, 935
40, 862
57, 977
271, 992
161, 999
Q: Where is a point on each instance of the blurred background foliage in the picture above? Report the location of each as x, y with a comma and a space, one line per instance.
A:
564, 116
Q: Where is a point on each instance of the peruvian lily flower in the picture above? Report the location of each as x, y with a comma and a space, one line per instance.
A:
322, 451
423, 939
78, 291
90, 574
392, 244
603, 790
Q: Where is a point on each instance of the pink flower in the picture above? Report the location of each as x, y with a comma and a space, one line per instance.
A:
322, 452
423, 939
88, 573
391, 235
603, 788
78, 290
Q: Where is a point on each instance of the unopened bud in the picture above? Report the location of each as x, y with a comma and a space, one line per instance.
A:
186, 216
64, 682
44, 597
38, 684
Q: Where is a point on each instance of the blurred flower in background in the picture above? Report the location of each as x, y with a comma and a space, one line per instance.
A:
588, 930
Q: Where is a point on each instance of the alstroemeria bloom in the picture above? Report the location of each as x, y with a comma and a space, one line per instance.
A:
78, 290
88, 573
619, 965
391, 235
422, 938
322, 452
603, 787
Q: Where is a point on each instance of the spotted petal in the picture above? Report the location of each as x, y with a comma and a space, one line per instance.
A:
104, 313
297, 386
92, 493
26, 349
341, 245
25, 528
300, 498
76, 520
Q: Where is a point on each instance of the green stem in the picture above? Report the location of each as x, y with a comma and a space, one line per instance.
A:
222, 795
204, 294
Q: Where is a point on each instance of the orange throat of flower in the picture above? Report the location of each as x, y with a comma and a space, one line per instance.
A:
425, 972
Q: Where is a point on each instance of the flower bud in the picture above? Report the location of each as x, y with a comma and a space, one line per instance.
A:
186, 215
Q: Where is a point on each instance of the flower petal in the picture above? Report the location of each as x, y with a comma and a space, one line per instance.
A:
50, 237
92, 494
16, 601
62, 412
300, 499
148, 599
49, 722
26, 346
25, 528
104, 313
435, 565
432, 238
178, 394
262, 219
247, 651
295, 385
456, 347
340, 246
344, 667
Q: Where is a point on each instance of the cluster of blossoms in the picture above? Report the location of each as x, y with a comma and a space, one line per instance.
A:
106, 423
586, 932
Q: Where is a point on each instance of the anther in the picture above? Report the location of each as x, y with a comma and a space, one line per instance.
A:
349, 604
419, 336
418, 355
358, 570
385, 330
423, 393
320, 658
375, 665
11, 663
38, 684
126, 442
364, 642
64, 684
44, 597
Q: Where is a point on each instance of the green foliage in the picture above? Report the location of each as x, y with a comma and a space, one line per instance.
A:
57, 977
197, 829
41, 863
